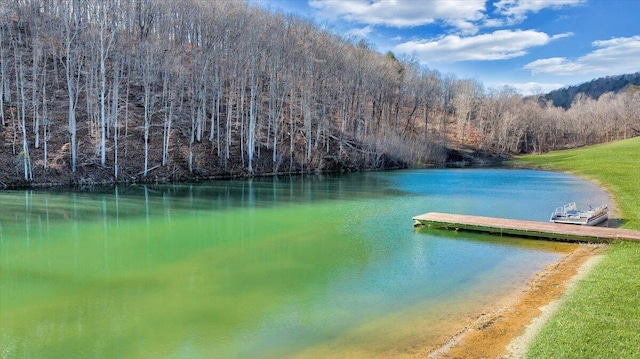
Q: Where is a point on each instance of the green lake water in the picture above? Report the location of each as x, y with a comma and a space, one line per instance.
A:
264, 268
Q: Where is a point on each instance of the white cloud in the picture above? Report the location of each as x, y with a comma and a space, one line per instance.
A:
360, 32
404, 13
464, 27
464, 17
516, 10
493, 22
533, 88
499, 45
614, 56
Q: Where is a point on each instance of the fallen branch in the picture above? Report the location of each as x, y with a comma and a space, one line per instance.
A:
148, 170
351, 145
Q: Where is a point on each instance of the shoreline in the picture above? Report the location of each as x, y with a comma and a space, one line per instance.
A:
507, 327
518, 346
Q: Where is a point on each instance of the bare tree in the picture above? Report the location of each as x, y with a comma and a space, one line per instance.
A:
226, 87
5, 79
72, 59
148, 68
22, 99
106, 35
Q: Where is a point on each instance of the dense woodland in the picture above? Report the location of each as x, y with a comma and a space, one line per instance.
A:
595, 88
140, 90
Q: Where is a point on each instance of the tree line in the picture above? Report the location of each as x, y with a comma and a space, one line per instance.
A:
143, 90
564, 97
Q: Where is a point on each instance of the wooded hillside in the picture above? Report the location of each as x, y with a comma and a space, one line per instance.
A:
564, 97
142, 90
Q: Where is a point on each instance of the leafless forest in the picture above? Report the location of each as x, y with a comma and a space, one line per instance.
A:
99, 91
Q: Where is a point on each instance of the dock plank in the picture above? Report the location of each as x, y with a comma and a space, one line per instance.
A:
523, 228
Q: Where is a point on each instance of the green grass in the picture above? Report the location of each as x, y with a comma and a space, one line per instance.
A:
601, 317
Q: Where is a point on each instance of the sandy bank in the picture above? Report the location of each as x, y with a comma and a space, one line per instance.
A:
505, 330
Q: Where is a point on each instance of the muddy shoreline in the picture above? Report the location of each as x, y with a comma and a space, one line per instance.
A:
493, 334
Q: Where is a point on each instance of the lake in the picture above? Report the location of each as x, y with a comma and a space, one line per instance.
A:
265, 268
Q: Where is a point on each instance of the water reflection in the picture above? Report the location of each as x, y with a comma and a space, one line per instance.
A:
203, 196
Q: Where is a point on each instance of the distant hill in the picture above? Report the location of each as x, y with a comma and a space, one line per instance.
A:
564, 97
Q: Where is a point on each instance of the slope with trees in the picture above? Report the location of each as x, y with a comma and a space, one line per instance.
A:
593, 89
145, 90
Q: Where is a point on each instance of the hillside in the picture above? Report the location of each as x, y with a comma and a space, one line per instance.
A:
593, 89
155, 91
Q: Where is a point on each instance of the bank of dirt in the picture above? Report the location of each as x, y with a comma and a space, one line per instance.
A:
493, 334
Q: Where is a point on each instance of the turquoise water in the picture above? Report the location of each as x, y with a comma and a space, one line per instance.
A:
268, 268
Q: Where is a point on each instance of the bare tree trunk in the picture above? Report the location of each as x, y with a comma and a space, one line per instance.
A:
72, 66
227, 147
20, 83
5, 81
252, 117
45, 120
240, 116
192, 129
168, 118
115, 116
106, 41
292, 135
35, 104
148, 79
426, 126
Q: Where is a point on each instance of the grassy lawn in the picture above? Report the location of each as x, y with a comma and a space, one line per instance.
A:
601, 318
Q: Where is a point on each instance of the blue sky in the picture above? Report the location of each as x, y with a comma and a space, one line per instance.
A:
532, 45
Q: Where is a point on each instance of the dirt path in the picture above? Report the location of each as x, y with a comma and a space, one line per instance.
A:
493, 334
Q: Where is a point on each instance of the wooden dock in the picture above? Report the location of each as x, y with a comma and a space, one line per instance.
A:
521, 228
